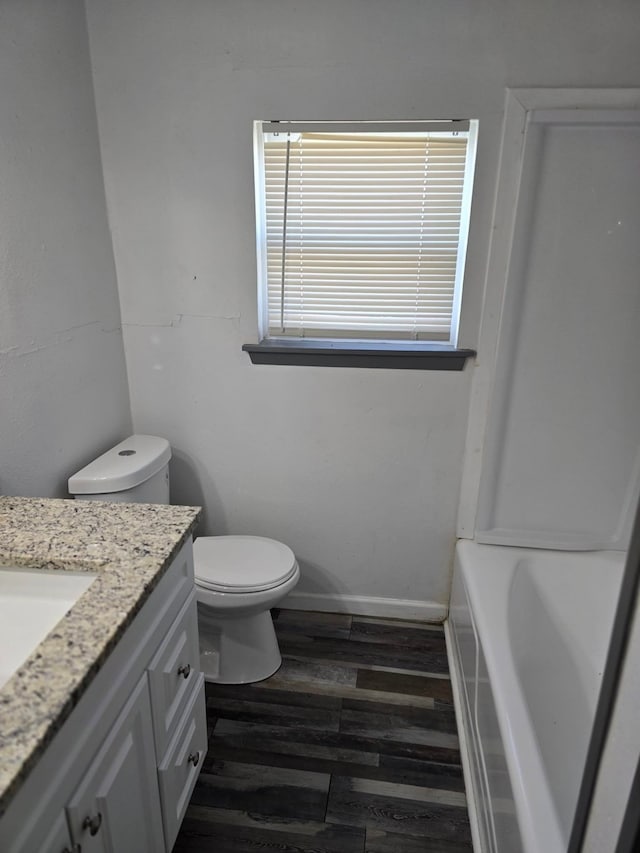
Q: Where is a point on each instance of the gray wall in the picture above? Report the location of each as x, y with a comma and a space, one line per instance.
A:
63, 385
358, 470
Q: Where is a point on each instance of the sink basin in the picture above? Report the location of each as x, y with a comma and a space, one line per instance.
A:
32, 602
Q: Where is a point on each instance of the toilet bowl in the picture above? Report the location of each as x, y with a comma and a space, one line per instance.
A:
238, 578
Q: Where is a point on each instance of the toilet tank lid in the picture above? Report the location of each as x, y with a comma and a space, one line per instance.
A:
125, 466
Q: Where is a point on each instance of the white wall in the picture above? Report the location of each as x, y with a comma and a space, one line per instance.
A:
63, 384
358, 470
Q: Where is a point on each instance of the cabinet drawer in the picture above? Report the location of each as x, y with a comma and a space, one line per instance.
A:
172, 673
178, 772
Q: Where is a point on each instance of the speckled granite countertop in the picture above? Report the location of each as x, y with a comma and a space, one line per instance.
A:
128, 547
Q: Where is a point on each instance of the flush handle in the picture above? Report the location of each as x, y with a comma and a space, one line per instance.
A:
194, 758
184, 670
93, 824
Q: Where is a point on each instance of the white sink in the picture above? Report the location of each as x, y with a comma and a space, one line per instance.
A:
32, 602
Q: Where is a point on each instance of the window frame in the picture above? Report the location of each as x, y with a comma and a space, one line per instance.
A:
352, 351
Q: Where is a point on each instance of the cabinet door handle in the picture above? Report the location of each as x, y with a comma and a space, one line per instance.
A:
75, 849
194, 758
184, 670
93, 824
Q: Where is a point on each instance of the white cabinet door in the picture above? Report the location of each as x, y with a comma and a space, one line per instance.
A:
54, 839
57, 839
116, 807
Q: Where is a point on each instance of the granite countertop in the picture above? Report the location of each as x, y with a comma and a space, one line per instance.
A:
128, 547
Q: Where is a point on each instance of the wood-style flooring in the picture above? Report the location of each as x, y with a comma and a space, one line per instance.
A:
351, 747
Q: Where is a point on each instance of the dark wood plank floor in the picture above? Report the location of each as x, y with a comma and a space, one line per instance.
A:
350, 748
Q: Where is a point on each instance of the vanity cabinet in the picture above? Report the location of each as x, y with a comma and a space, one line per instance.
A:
56, 838
118, 776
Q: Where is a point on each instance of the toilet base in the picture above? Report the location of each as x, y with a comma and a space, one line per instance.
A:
237, 650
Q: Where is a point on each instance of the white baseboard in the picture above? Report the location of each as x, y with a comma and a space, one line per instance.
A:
362, 605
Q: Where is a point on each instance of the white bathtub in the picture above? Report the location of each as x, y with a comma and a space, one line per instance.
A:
529, 631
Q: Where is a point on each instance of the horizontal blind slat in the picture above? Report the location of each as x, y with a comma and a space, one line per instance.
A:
372, 232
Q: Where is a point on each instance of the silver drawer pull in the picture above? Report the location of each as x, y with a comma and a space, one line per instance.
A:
93, 824
194, 758
184, 670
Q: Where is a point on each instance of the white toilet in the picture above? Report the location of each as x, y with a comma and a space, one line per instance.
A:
238, 578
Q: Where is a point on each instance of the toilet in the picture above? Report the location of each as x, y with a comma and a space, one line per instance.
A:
238, 578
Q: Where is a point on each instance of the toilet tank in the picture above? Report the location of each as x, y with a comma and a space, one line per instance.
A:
134, 471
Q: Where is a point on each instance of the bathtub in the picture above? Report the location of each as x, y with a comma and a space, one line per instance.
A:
528, 635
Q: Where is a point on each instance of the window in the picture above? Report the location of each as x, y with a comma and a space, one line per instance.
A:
361, 231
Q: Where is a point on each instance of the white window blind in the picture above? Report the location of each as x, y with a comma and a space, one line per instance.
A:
364, 231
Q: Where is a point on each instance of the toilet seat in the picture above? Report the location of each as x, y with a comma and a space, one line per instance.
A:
242, 563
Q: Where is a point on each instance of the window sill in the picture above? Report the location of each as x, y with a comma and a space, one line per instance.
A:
394, 355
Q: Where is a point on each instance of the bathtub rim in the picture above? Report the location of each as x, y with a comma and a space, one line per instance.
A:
537, 817
536, 812
465, 739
